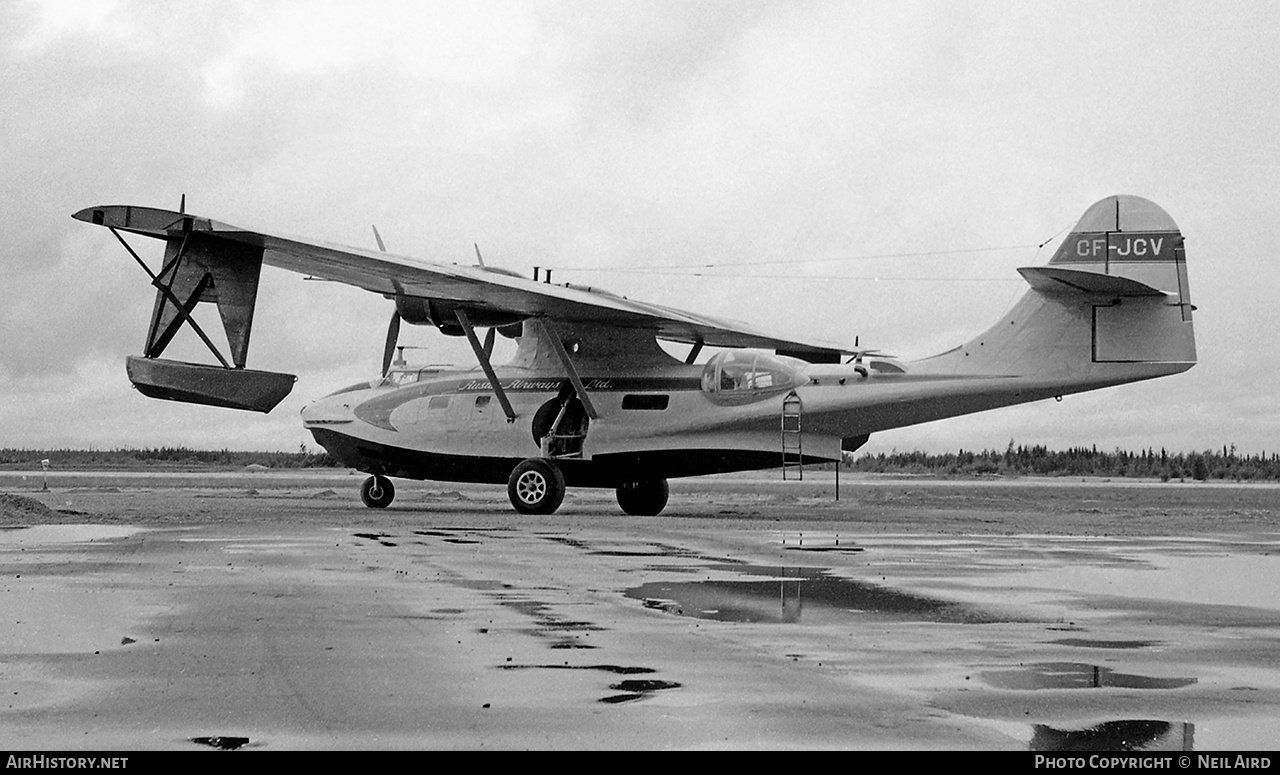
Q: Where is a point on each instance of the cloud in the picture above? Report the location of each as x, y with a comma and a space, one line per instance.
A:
596, 137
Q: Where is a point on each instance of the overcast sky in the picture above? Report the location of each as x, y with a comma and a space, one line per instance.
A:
601, 138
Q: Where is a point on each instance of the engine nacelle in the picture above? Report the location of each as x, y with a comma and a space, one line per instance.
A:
442, 313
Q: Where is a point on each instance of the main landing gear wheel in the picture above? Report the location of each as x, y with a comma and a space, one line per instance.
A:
643, 499
536, 486
377, 492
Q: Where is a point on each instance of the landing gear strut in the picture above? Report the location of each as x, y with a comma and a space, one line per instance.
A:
536, 486
377, 492
643, 499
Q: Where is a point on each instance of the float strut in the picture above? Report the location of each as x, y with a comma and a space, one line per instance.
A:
183, 310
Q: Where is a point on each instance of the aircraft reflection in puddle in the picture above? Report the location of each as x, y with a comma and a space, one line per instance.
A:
1117, 736
1127, 735
783, 595
1077, 675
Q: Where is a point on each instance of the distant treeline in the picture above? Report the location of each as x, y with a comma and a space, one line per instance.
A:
1224, 464
163, 456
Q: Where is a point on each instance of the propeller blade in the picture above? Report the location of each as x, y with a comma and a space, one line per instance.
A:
479, 257
393, 335
858, 355
378, 238
488, 342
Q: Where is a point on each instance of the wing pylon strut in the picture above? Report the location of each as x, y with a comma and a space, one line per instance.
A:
482, 355
563, 355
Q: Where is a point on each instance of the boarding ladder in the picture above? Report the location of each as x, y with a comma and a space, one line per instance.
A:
792, 438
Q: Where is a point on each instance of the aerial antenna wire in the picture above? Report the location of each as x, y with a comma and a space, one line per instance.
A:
830, 259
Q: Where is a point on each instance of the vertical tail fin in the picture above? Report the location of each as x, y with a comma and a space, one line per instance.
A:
1130, 237
1112, 306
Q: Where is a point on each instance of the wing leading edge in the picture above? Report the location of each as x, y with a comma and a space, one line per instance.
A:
397, 275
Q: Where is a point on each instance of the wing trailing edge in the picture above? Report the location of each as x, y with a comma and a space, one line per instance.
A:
476, 290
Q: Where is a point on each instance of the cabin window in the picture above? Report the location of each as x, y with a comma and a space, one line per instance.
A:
885, 367
744, 376
638, 401
438, 402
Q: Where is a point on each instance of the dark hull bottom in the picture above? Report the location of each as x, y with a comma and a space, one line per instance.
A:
600, 471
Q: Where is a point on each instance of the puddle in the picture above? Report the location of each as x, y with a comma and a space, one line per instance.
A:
1116, 736
636, 689
788, 595
650, 549
562, 633
461, 535
65, 534
837, 549
1077, 675
1086, 643
662, 568
575, 543
818, 542
222, 743
616, 669
1237, 579
631, 689
469, 529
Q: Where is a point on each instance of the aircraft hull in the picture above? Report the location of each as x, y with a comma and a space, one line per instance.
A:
449, 428
608, 470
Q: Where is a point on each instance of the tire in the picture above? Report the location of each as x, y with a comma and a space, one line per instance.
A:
377, 492
536, 486
643, 499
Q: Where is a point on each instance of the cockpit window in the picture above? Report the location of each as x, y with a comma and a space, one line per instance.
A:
744, 376
407, 376
400, 378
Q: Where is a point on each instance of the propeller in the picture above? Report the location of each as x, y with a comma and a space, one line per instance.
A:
492, 332
393, 328
393, 336
860, 354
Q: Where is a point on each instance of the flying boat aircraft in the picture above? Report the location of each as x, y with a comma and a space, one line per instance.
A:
590, 399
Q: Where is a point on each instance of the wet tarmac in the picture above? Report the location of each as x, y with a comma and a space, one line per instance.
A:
166, 617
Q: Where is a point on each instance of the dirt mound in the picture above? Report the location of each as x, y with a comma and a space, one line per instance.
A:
22, 508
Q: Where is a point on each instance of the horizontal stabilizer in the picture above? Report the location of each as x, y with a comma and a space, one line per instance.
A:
197, 383
1050, 279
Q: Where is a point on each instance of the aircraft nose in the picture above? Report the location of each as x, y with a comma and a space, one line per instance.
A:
328, 411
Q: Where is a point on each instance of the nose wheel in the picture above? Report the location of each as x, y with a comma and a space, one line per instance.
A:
377, 492
536, 486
